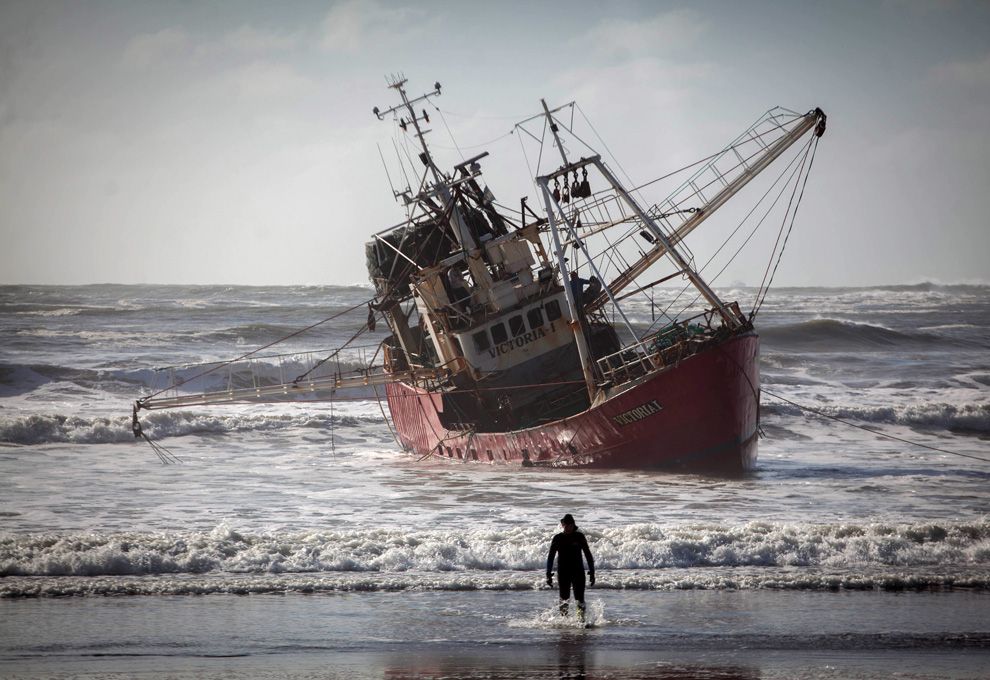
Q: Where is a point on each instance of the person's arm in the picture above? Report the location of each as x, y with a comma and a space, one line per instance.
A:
550, 556
589, 558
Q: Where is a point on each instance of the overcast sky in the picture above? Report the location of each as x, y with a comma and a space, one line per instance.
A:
233, 142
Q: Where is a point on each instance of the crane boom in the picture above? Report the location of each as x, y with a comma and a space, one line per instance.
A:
813, 120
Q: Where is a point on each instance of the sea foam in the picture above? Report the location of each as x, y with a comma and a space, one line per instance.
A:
638, 546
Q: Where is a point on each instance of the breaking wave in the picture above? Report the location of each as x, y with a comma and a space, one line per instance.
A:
55, 428
938, 415
839, 547
715, 578
831, 335
257, 372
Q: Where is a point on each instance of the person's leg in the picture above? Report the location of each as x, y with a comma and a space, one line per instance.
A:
578, 584
564, 584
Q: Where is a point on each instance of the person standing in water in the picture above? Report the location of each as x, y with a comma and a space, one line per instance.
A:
567, 547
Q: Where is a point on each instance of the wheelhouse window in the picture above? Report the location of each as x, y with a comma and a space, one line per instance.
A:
517, 326
553, 310
535, 317
481, 342
499, 334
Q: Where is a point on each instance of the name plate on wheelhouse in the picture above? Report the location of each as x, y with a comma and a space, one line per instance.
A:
634, 415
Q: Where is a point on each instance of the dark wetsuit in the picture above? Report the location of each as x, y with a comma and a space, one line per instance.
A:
570, 567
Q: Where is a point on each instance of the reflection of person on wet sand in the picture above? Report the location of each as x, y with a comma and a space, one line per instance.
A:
568, 547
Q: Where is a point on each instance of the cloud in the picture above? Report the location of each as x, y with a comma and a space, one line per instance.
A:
661, 33
268, 80
148, 49
173, 44
644, 111
974, 74
248, 39
365, 24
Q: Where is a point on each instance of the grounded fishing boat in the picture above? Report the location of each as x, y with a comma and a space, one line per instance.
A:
509, 343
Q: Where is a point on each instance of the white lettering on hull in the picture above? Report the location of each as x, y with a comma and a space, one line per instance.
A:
639, 413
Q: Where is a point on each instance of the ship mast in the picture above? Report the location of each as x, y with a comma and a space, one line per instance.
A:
668, 246
442, 189
584, 352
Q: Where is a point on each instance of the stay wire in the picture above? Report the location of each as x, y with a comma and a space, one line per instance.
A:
449, 133
783, 173
788, 235
327, 358
795, 172
459, 148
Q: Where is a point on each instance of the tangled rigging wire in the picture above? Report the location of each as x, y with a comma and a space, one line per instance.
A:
164, 455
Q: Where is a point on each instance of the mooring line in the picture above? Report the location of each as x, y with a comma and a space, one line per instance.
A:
870, 429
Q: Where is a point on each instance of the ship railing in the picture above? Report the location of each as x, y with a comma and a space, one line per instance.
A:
667, 346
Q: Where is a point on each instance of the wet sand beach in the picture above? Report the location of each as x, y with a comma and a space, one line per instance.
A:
680, 634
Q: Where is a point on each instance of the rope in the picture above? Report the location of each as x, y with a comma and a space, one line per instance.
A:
872, 430
479, 117
164, 455
460, 149
384, 417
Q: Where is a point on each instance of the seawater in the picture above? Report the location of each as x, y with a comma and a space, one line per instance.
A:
315, 497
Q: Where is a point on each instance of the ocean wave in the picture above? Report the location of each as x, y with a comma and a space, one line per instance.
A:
934, 546
56, 428
715, 578
831, 335
925, 286
261, 371
974, 417
51, 312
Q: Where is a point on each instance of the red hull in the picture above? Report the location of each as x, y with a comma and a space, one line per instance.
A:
699, 415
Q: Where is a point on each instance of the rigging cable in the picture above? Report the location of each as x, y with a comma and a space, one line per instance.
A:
795, 176
336, 352
381, 408
793, 173
880, 433
255, 351
164, 455
872, 430
787, 236
449, 133
474, 115
460, 149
